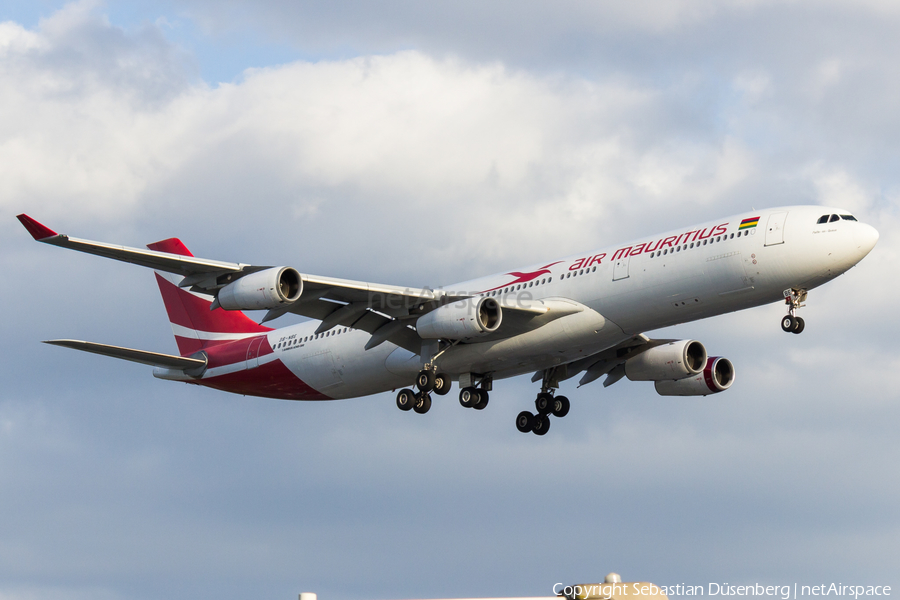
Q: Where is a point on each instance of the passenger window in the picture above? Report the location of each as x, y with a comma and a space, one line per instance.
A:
834, 218
732, 237
822, 219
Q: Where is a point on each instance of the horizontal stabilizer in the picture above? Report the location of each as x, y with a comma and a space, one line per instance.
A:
154, 359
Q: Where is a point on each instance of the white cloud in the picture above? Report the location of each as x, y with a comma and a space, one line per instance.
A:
836, 187
493, 146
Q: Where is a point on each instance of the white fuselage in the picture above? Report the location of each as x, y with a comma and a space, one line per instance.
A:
657, 281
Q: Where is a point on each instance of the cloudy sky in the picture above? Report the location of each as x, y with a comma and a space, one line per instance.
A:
420, 144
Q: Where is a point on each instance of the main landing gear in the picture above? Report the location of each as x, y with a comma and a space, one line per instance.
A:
473, 397
428, 380
791, 323
546, 404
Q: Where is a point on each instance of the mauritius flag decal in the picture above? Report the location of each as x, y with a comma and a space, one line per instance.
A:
749, 223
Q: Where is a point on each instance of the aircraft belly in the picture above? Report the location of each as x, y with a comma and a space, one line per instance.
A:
560, 341
342, 368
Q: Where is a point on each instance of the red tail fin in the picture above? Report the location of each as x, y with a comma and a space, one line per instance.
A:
194, 325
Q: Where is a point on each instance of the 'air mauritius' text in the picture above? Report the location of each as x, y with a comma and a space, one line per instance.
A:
671, 241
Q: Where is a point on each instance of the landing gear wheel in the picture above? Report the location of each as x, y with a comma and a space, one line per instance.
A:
525, 422
442, 384
544, 403
788, 323
426, 380
468, 397
799, 325
423, 403
482, 400
405, 399
560, 406
541, 424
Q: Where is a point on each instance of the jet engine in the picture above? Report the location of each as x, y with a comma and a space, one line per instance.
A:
675, 360
264, 289
462, 320
717, 376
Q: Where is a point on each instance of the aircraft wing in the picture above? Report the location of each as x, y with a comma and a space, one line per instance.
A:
382, 310
163, 261
385, 311
204, 274
609, 362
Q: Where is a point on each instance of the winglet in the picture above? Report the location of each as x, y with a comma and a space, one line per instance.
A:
37, 231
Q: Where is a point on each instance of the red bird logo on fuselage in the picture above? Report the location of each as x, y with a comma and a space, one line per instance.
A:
525, 277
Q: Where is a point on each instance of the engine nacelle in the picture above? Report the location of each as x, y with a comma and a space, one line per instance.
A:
264, 289
462, 320
675, 360
717, 376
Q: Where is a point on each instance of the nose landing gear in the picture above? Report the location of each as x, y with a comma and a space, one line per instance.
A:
794, 298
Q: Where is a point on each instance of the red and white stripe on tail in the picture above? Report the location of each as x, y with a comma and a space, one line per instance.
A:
196, 326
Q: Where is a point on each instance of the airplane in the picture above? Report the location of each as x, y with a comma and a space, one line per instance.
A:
583, 314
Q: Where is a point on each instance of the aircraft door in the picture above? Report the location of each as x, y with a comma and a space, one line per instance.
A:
253, 352
620, 269
775, 229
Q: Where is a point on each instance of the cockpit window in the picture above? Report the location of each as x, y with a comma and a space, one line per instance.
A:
848, 217
834, 218
822, 219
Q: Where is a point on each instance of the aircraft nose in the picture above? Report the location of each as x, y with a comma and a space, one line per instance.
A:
866, 237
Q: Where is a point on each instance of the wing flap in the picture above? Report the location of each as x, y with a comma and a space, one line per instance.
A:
154, 359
